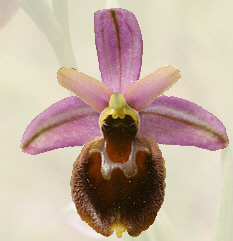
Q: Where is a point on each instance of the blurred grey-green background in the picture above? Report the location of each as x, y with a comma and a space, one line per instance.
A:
194, 36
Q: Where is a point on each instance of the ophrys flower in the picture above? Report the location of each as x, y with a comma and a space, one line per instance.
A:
118, 179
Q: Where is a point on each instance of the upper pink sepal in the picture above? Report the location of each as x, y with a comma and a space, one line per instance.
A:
69, 122
174, 121
119, 47
91, 91
146, 90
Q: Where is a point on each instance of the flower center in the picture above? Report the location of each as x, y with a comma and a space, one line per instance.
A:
119, 124
118, 108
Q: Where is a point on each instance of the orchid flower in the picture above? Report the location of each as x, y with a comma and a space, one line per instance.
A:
118, 180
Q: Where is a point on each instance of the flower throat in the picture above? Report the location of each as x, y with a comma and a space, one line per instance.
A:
119, 135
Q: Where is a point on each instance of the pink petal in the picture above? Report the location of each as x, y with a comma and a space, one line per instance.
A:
119, 47
170, 120
146, 90
91, 91
69, 122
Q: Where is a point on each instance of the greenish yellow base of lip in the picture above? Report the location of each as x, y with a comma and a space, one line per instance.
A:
119, 229
118, 108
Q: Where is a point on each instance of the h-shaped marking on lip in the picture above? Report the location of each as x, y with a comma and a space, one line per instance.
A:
129, 167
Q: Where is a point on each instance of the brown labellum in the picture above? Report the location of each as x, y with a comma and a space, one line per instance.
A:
118, 180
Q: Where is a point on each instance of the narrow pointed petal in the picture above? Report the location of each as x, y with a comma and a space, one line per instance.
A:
91, 91
119, 47
146, 90
171, 120
69, 122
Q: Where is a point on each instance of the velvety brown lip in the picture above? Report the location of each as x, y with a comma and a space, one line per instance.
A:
132, 203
